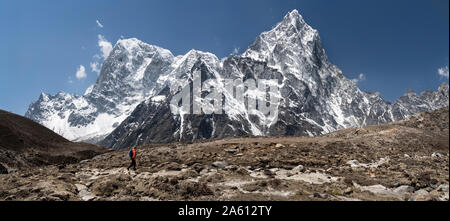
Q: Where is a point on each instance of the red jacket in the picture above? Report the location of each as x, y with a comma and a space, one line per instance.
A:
134, 154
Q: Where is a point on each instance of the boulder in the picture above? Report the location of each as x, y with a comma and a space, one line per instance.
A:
404, 189
436, 155
421, 195
298, 169
348, 191
220, 164
353, 163
443, 188
174, 166
3, 169
231, 150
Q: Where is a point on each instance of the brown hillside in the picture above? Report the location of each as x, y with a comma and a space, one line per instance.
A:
25, 143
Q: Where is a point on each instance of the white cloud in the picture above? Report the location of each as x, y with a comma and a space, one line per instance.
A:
95, 67
99, 24
236, 51
98, 57
443, 72
360, 78
105, 46
81, 72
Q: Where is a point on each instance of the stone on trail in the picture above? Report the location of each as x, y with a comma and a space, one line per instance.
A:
279, 145
353, 163
298, 169
220, 164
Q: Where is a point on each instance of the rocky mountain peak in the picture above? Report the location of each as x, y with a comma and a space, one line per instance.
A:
444, 88
43, 97
292, 46
293, 19
130, 43
410, 92
129, 103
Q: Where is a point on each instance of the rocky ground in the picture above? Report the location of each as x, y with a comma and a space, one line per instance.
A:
407, 160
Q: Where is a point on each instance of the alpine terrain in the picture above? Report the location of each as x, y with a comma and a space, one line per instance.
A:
130, 104
405, 160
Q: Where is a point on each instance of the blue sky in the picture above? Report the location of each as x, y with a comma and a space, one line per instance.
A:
397, 44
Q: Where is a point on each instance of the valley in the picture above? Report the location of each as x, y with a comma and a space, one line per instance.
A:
405, 160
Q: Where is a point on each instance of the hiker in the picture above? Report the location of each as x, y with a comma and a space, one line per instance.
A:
132, 155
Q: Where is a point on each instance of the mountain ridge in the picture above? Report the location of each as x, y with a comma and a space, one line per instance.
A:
316, 96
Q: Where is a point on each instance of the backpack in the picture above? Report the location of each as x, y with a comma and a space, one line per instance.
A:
130, 154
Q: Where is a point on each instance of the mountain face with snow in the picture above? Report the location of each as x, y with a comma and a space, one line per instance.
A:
412, 103
130, 104
315, 96
125, 80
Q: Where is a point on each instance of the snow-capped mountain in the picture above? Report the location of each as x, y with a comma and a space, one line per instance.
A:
126, 79
412, 103
316, 98
130, 102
